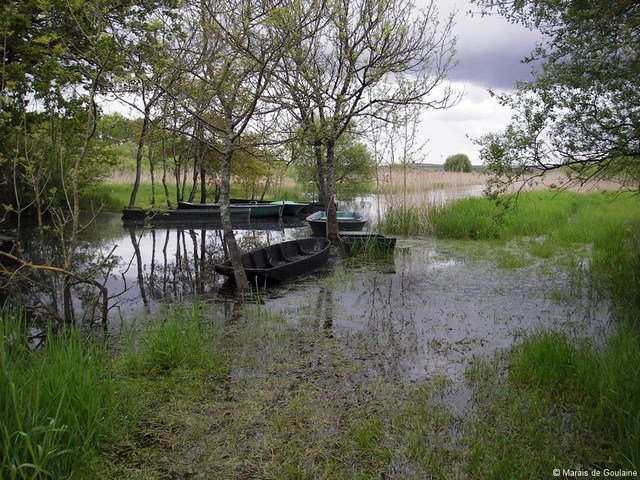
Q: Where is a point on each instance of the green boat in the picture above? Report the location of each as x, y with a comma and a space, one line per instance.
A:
290, 209
364, 241
347, 222
258, 210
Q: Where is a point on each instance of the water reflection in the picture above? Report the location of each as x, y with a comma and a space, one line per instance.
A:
435, 310
155, 266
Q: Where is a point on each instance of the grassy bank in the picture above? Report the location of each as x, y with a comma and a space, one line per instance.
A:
58, 406
549, 402
71, 402
116, 196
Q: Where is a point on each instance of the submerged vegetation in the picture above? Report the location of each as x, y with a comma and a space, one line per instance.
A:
192, 395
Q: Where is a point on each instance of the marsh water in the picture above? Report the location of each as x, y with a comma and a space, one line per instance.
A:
426, 311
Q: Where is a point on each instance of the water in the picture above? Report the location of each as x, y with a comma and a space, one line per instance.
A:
426, 311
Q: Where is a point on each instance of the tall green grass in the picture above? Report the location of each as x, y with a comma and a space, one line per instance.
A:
57, 404
415, 220
180, 341
64, 404
563, 403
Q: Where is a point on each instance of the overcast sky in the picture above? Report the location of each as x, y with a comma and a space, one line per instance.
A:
489, 52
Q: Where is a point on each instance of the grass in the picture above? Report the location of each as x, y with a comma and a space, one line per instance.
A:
67, 405
560, 404
179, 342
57, 405
116, 195
554, 402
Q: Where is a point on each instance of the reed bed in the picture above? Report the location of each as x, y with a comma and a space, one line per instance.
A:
419, 180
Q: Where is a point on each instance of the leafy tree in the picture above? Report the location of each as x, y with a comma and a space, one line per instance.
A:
57, 57
229, 55
361, 58
581, 109
354, 167
457, 163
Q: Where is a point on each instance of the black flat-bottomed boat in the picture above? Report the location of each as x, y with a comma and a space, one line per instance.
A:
281, 261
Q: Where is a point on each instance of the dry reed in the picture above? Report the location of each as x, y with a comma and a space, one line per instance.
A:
418, 180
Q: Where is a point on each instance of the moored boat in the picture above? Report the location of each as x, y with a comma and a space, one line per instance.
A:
181, 217
281, 261
347, 222
357, 241
257, 210
290, 209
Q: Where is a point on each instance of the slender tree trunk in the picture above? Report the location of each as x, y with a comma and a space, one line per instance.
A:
152, 174
332, 219
164, 172
322, 193
139, 154
75, 200
203, 183
229, 237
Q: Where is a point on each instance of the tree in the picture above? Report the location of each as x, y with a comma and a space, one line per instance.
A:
457, 163
354, 166
581, 109
362, 58
228, 60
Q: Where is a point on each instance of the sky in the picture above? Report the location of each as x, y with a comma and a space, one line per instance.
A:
489, 54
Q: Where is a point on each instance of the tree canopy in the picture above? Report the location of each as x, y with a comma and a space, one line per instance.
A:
457, 163
581, 109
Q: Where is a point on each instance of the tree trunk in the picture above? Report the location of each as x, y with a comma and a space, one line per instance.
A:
203, 183
139, 153
322, 194
229, 237
332, 219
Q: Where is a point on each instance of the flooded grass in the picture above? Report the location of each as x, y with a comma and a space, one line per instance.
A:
553, 403
491, 358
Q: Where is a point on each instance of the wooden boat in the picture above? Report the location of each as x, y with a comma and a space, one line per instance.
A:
182, 217
257, 210
313, 207
357, 241
289, 208
347, 222
281, 261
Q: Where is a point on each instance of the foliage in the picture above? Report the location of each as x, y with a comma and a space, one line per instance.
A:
457, 163
581, 109
354, 167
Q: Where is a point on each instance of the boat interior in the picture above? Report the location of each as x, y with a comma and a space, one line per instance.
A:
274, 255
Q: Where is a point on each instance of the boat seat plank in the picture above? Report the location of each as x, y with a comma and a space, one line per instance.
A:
284, 256
266, 260
249, 261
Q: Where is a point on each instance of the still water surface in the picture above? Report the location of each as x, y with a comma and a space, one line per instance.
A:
426, 311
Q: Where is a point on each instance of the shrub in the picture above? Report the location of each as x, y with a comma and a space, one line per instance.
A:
457, 163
